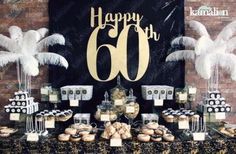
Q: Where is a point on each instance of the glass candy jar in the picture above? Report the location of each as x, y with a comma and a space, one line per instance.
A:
131, 107
118, 97
106, 111
118, 93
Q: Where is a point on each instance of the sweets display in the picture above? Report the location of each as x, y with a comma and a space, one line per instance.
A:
117, 130
77, 132
111, 110
154, 132
22, 103
171, 115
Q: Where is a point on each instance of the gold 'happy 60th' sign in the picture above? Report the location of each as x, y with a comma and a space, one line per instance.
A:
119, 53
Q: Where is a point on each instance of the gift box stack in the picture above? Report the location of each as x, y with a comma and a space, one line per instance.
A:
214, 103
22, 103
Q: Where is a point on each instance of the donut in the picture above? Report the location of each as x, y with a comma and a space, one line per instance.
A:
75, 138
168, 137
147, 131
158, 131
164, 130
5, 135
63, 137
156, 138
81, 127
143, 137
3, 127
84, 133
8, 130
70, 131
152, 125
88, 137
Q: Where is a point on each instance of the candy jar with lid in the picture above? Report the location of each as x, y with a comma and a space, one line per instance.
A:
118, 97
131, 107
105, 111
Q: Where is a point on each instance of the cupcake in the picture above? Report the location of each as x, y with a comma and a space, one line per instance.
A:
169, 118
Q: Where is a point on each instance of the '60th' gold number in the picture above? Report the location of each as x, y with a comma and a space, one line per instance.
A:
118, 54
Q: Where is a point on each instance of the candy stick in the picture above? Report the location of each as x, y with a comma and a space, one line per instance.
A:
27, 127
36, 125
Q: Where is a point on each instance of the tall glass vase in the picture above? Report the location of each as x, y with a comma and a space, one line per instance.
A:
213, 82
24, 80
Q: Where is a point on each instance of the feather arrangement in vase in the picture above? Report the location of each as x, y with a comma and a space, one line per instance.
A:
206, 53
26, 49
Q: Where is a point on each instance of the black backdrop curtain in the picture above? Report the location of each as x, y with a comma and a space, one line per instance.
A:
72, 18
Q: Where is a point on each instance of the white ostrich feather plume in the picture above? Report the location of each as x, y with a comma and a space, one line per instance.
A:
231, 45
203, 44
8, 44
51, 58
227, 32
29, 42
181, 55
199, 28
184, 40
204, 64
43, 32
51, 40
6, 58
16, 34
4, 52
29, 65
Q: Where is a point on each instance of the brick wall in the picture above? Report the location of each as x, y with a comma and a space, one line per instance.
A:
33, 14
214, 26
